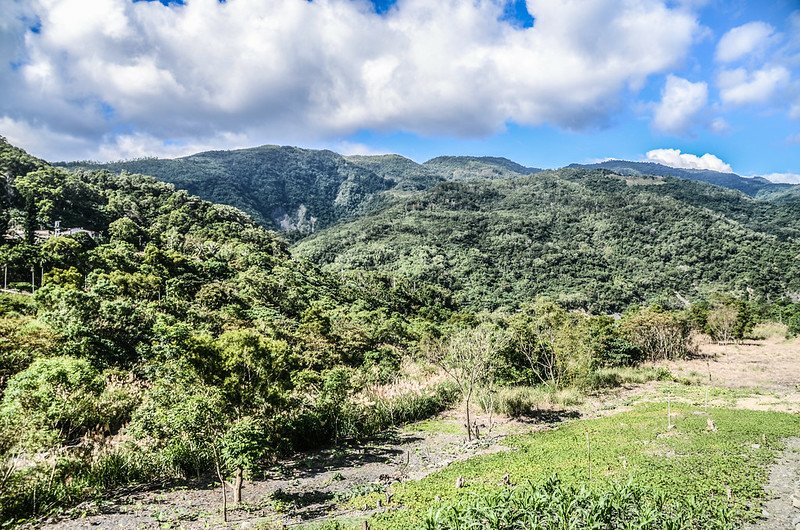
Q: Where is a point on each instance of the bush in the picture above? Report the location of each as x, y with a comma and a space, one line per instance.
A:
52, 401
769, 330
616, 376
658, 334
47, 486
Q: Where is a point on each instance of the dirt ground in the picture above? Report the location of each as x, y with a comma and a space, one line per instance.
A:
309, 487
763, 375
769, 370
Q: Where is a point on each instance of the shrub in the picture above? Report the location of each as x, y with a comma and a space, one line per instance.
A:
53, 400
658, 334
521, 401
769, 330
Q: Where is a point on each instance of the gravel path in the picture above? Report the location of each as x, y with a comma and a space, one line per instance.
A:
782, 509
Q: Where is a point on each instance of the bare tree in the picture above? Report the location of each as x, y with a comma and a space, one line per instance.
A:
722, 323
658, 334
468, 357
542, 359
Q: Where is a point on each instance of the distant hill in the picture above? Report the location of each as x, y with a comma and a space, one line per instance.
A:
589, 237
299, 191
404, 173
751, 186
470, 167
285, 188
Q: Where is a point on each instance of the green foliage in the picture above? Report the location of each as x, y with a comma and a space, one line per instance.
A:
702, 479
551, 505
52, 401
586, 238
294, 190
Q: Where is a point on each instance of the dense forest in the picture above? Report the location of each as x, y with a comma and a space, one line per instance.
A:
495, 234
183, 322
590, 238
298, 191
148, 335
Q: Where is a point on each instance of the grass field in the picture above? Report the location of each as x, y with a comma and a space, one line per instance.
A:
627, 470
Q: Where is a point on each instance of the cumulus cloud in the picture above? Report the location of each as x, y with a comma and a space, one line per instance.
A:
681, 100
311, 71
743, 40
41, 140
739, 86
785, 178
674, 158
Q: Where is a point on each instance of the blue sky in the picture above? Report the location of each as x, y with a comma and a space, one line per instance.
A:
543, 82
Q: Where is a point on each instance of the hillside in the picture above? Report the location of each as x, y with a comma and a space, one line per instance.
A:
285, 188
299, 191
751, 186
150, 337
477, 167
590, 238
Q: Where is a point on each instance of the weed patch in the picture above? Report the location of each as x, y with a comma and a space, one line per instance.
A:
630, 462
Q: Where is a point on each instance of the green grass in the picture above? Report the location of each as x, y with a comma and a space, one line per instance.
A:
696, 394
697, 474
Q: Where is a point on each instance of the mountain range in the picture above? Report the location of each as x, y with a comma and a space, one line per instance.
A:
298, 191
495, 233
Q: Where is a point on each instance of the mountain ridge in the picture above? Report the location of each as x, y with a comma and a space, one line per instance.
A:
750, 185
299, 191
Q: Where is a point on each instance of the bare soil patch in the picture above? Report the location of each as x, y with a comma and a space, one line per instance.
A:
768, 369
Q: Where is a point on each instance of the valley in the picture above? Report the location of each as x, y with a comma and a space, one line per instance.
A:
339, 341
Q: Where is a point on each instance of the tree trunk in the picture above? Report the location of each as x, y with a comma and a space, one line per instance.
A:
237, 486
469, 424
224, 502
222, 485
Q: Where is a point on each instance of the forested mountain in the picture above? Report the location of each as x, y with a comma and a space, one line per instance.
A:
495, 233
293, 190
480, 167
591, 238
751, 186
299, 191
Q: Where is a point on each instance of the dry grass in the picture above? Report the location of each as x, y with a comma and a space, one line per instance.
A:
775, 331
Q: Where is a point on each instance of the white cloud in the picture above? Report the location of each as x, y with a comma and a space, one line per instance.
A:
739, 87
42, 141
786, 178
719, 126
743, 40
674, 158
311, 71
681, 100
355, 148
